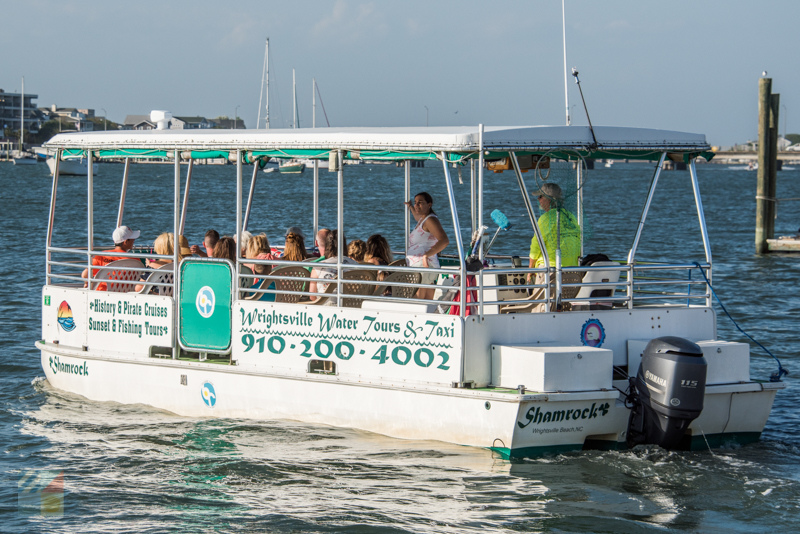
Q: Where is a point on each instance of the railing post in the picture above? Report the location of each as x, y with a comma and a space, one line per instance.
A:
457, 229
536, 230
406, 212
176, 248
315, 224
124, 191
186, 195
339, 227
250, 196
479, 222
90, 216
645, 210
701, 217
51, 219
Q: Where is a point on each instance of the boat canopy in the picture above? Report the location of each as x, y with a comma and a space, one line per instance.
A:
460, 143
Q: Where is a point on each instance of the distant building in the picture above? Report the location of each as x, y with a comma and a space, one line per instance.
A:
138, 122
70, 118
10, 112
228, 124
190, 123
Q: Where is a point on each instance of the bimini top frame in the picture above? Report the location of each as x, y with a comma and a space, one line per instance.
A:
399, 144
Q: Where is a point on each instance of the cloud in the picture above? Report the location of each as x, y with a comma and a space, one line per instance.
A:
350, 24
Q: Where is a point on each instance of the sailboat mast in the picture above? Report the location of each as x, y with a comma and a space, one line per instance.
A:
22, 118
261, 94
564, 35
266, 62
294, 100
314, 103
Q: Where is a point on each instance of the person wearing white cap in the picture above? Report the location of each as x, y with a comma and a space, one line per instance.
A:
124, 238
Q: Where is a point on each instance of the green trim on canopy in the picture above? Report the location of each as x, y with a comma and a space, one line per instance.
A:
139, 153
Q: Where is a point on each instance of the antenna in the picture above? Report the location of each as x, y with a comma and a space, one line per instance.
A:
578, 81
564, 34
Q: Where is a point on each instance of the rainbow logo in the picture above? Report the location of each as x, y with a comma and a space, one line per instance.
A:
65, 320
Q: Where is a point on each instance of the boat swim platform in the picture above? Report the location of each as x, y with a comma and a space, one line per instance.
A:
784, 244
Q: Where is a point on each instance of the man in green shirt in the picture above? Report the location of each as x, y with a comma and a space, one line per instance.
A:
555, 217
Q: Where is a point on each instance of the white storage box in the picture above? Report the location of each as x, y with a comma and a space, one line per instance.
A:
728, 362
544, 367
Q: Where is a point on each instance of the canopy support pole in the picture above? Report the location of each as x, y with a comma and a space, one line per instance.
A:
51, 218
406, 211
90, 216
701, 217
579, 174
125, 174
186, 196
536, 230
239, 180
451, 197
339, 226
176, 248
250, 196
635, 245
472, 193
480, 217
316, 200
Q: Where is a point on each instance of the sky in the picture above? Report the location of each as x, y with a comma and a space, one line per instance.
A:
680, 65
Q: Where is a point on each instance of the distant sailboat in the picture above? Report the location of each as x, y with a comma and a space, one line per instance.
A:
23, 159
293, 166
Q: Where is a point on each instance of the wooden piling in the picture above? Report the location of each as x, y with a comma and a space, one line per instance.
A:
762, 188
772, 207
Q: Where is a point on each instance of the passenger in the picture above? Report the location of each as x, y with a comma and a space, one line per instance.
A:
378, 253
209, 242
356, 250
426, 241
551, 200
246, 236
163, 246
258, 249
298, 232
326, 273
225, 249
124, 238
322, 237
295, 247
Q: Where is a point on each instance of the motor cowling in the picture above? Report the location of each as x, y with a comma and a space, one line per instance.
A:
667, 393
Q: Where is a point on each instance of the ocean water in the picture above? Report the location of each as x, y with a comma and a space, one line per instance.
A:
138, 469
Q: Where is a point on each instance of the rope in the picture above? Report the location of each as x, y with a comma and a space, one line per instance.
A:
774, 377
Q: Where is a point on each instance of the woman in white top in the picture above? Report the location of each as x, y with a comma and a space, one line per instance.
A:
425, 241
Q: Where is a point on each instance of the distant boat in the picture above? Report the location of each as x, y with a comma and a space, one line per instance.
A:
749, 167
609, 163
25, 160
292, 166
71, 167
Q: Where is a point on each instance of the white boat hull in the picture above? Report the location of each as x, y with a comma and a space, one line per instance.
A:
72, 167
24, 161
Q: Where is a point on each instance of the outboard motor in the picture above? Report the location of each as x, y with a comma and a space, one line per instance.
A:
667, 392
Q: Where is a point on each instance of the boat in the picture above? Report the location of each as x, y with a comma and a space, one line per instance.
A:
292, 166
71, 167
752, 166
609, 163
25, 160
622, 346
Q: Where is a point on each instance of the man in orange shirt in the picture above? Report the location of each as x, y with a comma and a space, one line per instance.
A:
124, 238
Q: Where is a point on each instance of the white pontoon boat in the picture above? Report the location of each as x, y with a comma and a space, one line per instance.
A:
490, 373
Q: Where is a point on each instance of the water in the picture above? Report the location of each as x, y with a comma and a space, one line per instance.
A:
138, 469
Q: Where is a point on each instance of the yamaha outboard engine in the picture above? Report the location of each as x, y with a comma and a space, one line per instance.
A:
667, 393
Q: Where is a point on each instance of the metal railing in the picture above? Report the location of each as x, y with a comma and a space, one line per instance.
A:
71, 270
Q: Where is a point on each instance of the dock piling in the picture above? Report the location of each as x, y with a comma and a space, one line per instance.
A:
768, 106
